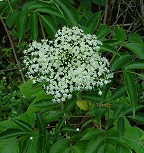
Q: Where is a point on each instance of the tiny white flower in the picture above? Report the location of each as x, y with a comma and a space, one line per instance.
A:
31, 138
71, 62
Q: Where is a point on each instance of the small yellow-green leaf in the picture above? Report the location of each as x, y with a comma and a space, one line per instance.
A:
82, 104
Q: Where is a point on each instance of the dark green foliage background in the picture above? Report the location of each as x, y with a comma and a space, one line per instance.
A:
114, 122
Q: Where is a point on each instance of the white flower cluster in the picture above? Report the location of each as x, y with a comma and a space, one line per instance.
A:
71, 62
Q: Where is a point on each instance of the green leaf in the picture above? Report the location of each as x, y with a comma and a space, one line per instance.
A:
138, 118
26, 88
118, 110
71, 1
79, 147
11, 19
26, 144
117, 140
92, 96
69, 13
45, 103
23, 125
33, 21
137, 49
120, 34
113, 43
60, 145
121, 149
42, 144
49, 24
120, 126
21, 23
42, 133
50, 10
102, 31
98, 112
93, 22
41, 125
136, 65
94, 146
33, 145
13, 132
120, 61
59, 125
133, 137
3, 7
109, 123
135, 38
50, 117
69, 128
131, 87
99, 2
34, 5
10, 145
69, 105
120, 91
129, 110
92, 133
106, 90
108, 48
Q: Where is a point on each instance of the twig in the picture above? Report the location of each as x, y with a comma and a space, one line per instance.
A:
106, 11
142, 10
13, 49
8, 70
43, 33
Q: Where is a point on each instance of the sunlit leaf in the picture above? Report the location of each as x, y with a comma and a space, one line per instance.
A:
13, 132
26, 144
133, 137
26, 88
82, 104
10, 145
23, 125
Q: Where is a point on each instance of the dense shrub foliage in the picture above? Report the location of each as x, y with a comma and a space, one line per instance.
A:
79, 86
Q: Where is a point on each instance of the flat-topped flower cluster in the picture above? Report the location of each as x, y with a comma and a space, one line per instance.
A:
71, 62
